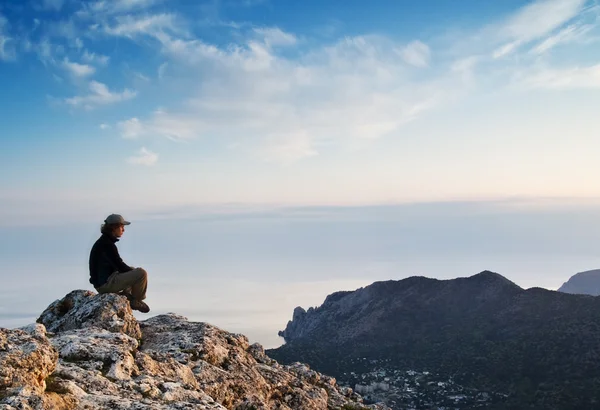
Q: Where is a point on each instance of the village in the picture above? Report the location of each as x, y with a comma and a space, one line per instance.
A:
411, 389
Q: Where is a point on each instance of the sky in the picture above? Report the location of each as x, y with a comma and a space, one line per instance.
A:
354, 140
279, 102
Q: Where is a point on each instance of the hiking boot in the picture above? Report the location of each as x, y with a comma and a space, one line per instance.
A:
139, 305
128, 295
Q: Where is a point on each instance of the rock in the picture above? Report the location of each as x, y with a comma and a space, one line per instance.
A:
97, 356
83, 308
25, 360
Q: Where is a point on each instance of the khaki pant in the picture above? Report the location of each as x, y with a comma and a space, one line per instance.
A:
135, 282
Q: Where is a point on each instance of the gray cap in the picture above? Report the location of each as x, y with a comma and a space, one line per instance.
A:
116, 219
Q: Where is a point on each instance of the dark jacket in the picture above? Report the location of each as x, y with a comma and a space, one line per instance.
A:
105, 259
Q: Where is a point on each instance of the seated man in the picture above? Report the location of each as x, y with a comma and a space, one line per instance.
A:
108, 272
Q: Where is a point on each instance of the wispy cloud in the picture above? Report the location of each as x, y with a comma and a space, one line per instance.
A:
131, 128
416, 53
176, 127
579, 77
273, 36
162, 70
567, 35
7, 51
94, 58
152, 25
535, 21
78, 70
119, 6
53, 4
144, 157
287, 108
104, 126
100, 95
278, 96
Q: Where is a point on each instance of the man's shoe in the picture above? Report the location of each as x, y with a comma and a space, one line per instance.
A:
128, 295
139, 305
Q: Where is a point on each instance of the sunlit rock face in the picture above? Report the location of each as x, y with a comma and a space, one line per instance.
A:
87, 351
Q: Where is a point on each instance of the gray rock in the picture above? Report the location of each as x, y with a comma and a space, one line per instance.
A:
83, 308
96, 355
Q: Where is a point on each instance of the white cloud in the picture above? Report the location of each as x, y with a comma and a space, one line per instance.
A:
274, 106
53, 4
6, 51
288, 148
576, 77
140, 76
162, 69
48, 52
534, 21
176, 127
131, 26
567, 35
465, 68
78, 70
104, 126
120, 6
255, 95
95, 58
144, 157
416, 53
540, 18
100, 95
131, 128
273, 36
506, 49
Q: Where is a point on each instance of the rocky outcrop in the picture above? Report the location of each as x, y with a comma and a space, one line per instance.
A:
583, 283
88, 351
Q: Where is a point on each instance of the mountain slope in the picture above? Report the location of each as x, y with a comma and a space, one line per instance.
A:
583, 283
541, 346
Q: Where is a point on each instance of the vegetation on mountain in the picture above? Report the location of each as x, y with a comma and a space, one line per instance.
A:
540, 347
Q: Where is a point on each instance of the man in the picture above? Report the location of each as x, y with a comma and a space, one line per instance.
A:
108, 272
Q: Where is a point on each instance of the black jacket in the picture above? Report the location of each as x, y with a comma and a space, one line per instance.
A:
104, 260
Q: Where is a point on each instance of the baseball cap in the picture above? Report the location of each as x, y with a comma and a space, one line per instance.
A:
116, 219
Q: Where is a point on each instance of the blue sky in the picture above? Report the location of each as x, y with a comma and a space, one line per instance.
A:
158, 105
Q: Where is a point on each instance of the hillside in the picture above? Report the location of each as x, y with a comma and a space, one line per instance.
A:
583, 283
540, 347
88, 351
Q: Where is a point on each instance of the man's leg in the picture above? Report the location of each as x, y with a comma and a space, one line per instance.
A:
136, 280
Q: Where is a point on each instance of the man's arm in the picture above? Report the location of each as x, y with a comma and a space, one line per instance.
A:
117, 261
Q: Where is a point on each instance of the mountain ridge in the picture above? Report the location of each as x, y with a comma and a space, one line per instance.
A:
532, 343
584, 283
495, 284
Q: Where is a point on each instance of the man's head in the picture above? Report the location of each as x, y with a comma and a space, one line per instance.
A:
114, 225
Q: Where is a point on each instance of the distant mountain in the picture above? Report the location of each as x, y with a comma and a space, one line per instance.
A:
583, 283
540, 347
